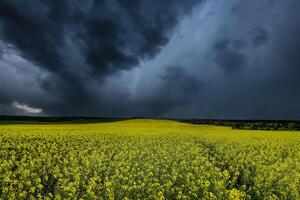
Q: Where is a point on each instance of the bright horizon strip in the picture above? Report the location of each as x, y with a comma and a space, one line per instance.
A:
27, 108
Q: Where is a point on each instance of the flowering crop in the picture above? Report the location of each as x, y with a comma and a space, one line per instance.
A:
147, 159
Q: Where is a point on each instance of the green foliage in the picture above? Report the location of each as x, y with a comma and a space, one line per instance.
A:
147, 159
249, 124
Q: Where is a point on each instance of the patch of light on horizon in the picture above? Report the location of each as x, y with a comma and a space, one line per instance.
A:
27, 108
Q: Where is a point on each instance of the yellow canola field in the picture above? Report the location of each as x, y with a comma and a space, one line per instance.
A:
147, 159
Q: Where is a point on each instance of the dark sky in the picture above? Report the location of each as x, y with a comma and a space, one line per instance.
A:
232, 59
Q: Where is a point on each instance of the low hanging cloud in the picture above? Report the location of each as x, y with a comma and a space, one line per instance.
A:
27, 108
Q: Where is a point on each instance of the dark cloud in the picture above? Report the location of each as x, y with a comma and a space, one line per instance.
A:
228, 58
111, 36
229, 52
259, 36
177, 88
263, 48
239, 44
221, 61
222, 44
268, 89
5, 100
1, 52
2, 49
78, 42
177, 78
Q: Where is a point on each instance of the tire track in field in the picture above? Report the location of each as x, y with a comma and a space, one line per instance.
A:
238, 178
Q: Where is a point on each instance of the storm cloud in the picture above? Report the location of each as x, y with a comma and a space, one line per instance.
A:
205, 59
77, 42
104, 36
229, 58
176, 88
259, 36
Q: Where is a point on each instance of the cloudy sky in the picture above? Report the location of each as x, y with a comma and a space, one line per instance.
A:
232, 59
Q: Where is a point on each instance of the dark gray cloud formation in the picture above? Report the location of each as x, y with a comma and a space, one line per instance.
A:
82, 41
228, 57
248, 64
176, 88
259, 36
109, 35
152, 58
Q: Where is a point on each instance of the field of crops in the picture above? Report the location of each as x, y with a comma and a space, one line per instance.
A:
147, 159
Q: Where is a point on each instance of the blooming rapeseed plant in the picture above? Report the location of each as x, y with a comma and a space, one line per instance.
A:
147, 159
